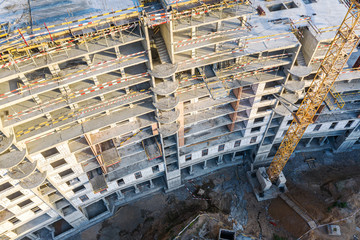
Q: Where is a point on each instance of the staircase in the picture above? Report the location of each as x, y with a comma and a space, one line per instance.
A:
300, 59
162, 50
216, 88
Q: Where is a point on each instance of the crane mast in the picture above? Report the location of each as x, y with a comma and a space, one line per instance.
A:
336, 57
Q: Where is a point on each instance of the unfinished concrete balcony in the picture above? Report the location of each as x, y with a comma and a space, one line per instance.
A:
251, 63
169, 129
166, 103
295, 86
284, 110
164, 70
11, 159
290, 97
34, 180
193, 14
5, 143
206, 56
70, 75
165, 88
167, 116
77, 130
129, 35
300, 71
22, 170
93, 106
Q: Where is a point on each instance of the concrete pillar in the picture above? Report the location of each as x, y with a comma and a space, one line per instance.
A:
85, 213
193, 32
191, 170
233, 156
107, 204
242, 21
309, 142
205, 164
96, 81
122, 71
88, 60
220, 160
322, 141
54, 69
117, 52
137, 190
24, 79
216, 48
151, 183
127, 90
119, 194
218, 26
32, 236
193, 53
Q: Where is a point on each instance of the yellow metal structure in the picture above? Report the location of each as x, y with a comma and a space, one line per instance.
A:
336, 57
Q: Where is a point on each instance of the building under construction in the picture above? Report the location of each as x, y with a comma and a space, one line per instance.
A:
98, 110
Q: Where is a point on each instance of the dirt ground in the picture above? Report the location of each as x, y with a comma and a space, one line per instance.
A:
327, 192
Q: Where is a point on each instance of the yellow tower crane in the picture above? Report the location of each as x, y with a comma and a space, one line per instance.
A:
336, 57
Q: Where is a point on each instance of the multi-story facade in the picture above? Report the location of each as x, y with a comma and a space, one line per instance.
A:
117, 106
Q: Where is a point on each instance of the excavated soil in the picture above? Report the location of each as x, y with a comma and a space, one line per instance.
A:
328, 192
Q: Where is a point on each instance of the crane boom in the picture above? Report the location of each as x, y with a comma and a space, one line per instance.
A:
330, 68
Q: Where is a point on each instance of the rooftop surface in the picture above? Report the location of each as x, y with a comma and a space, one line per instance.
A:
21, 12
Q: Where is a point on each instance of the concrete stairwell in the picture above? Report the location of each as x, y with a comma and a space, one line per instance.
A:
300, 59
214, 85
162, 50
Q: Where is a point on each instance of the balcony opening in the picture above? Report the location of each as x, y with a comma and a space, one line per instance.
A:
221, 147
205, 152
50, 152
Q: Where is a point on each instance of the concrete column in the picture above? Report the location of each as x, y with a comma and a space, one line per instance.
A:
233, 157
242, 21
88, 60
309, 142
205, 164
86, 213
127, 90
120, 194
54, 69
122, 71
24, 79
32, 236
218, 26
107, 204
37, 99
220, 160
117, 52
137, 190
216, 47
96, 81
181, 132
193, 32
191, 170
322, 141
151, 183
193, 54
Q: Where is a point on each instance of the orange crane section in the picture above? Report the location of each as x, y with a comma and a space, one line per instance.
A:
336, 57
